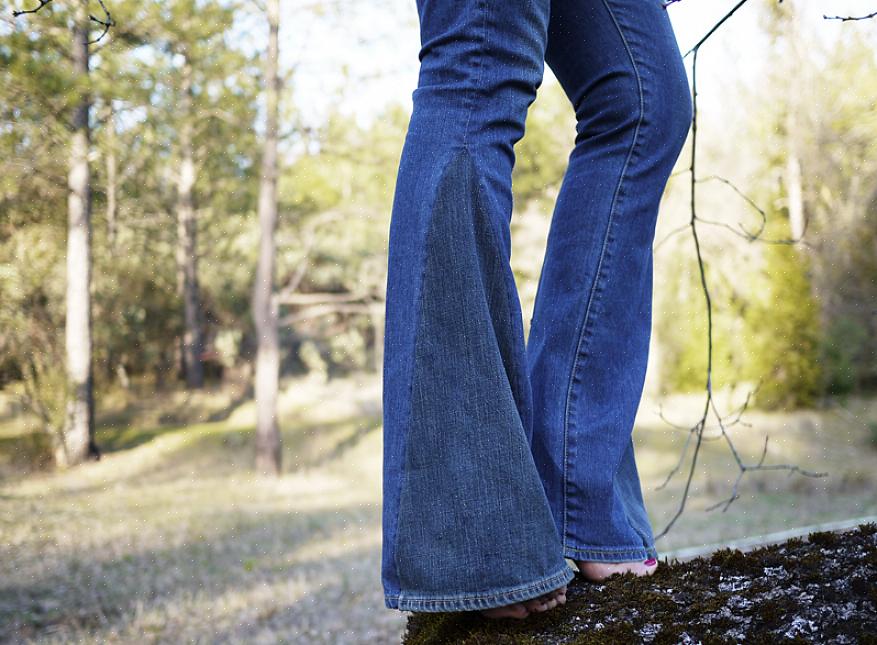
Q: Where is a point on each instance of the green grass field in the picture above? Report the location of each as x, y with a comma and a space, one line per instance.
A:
171, 537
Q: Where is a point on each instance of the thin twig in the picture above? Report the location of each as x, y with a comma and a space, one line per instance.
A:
106, 22
697, 430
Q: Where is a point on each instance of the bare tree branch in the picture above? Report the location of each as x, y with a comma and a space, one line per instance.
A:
106, 22
19, 12
697, 430
870, 15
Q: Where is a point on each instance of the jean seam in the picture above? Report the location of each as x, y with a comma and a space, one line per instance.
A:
642, 536
608, 549
479, 68
597, 275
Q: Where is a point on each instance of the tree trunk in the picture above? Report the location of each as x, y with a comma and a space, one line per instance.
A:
77, 442
794, 181
268, 455
794, 188
187, 257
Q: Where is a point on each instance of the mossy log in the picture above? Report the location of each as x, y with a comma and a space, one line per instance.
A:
822, 589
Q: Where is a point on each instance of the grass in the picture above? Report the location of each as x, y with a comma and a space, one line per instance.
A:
172, 537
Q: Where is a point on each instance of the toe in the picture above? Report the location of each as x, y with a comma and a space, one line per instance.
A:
515, 610
519, 611
599, 571
535, 604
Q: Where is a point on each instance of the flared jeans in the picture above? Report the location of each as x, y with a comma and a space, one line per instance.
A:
504, 456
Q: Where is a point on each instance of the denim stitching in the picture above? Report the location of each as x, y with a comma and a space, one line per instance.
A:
478, 601
478, 596
633, 154
483, 202
642, 536
595, 287
479, 68
611, 550
548, 583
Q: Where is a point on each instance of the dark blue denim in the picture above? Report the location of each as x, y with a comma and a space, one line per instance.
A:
504, 456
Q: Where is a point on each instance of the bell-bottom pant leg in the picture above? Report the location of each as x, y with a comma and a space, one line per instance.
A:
466, 523
619, 63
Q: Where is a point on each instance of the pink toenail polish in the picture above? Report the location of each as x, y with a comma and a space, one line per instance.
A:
650, 562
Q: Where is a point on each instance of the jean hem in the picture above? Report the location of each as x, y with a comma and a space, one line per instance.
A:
469, 602
610, 554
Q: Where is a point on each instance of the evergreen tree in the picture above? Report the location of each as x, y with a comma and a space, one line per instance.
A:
783, 329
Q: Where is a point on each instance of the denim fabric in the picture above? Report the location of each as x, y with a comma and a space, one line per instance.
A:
504, 455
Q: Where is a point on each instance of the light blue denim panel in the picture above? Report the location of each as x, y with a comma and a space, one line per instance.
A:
474, 527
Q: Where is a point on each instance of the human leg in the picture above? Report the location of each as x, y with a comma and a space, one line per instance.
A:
466, 524
620, 66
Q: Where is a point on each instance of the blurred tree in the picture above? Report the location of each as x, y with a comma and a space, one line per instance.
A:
191, 36
78, 430
132, 123
539, 159
681, 320
814, 142
820, 143
783, 332
74, 442
332, 252
268, 454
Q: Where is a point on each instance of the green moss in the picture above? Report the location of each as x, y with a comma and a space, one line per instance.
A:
715, 602
867, 529
683, 598
654, 601
611, 633
823, 538
715, 639
870, 559
770, 613
729, 559
812, 561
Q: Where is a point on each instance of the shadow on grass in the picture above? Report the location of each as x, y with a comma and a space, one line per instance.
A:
220, 450
113, 439
123, 428
225, 412
174, 454
80, 592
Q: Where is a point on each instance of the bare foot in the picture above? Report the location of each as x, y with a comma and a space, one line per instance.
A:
597, 571
524, 608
